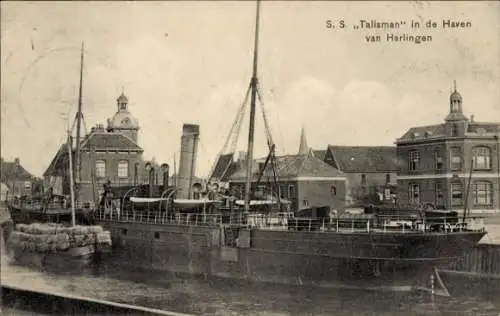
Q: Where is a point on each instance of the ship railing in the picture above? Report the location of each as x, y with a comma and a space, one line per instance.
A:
53, 205
367, 224
158, 217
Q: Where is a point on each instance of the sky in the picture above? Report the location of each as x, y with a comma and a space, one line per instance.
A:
191, 62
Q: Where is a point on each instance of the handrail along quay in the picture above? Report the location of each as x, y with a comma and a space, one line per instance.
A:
288, 222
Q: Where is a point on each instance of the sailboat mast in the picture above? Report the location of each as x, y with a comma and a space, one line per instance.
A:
79, 122
71, 182
251, 129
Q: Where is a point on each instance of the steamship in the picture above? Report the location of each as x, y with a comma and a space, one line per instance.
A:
260, 237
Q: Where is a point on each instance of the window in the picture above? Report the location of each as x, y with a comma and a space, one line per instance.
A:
481, 158
439, 161
305, 202
333, 190
291, 192
363, 179
455, 159
100, 169
414, 160
454, 130
482, 193
388, 178
283, 192
157, 235
438, 193
414, 193
123, 169
457, 192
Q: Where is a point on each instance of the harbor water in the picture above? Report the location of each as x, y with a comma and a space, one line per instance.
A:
225, 297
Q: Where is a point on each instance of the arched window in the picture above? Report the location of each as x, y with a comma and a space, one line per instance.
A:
388, 178
457, 193
482, 193
100, 169
123, 169
333, 190
481, 158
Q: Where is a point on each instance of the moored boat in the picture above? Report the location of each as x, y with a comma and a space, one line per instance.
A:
53, 246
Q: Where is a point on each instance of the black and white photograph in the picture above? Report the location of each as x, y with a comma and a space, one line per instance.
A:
253, 157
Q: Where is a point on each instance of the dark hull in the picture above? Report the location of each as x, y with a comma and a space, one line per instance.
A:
354, 259
472, 284
28, 215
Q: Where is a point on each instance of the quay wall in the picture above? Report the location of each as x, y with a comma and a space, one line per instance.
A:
65, 304
483, 259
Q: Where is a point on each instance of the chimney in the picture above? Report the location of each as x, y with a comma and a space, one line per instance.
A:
187, 161
17, 161
241, 159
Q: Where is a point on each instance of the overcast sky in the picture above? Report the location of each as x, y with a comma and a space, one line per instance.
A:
190, 62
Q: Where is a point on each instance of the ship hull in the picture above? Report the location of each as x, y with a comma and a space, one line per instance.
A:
357, 260
21, 215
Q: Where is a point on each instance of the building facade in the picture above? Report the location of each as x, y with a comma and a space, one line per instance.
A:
106, 154
16, 178
370, 171
453, 165
304, 180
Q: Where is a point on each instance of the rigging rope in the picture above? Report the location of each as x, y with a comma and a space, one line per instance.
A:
236, 125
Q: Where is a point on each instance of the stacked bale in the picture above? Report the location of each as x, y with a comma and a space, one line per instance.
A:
50, 237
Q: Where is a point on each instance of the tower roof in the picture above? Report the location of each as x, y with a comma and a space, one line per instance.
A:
303, 148
122, 98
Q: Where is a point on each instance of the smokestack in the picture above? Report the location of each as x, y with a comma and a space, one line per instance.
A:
187, 163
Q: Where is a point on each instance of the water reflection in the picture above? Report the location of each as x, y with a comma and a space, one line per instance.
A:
226, 297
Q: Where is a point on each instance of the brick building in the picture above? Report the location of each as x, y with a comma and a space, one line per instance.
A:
110, 154
16, 178
370, 171
437, 162
303, 179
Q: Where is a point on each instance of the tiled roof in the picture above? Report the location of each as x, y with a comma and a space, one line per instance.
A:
109, 141
477, 127
11, 170
438, 130
224, 167
96, 140
429, 131
291, 166
59, 162
320, 154
361, 159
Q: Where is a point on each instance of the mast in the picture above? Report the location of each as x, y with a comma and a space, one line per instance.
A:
79, 122
251, 129
71, 180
